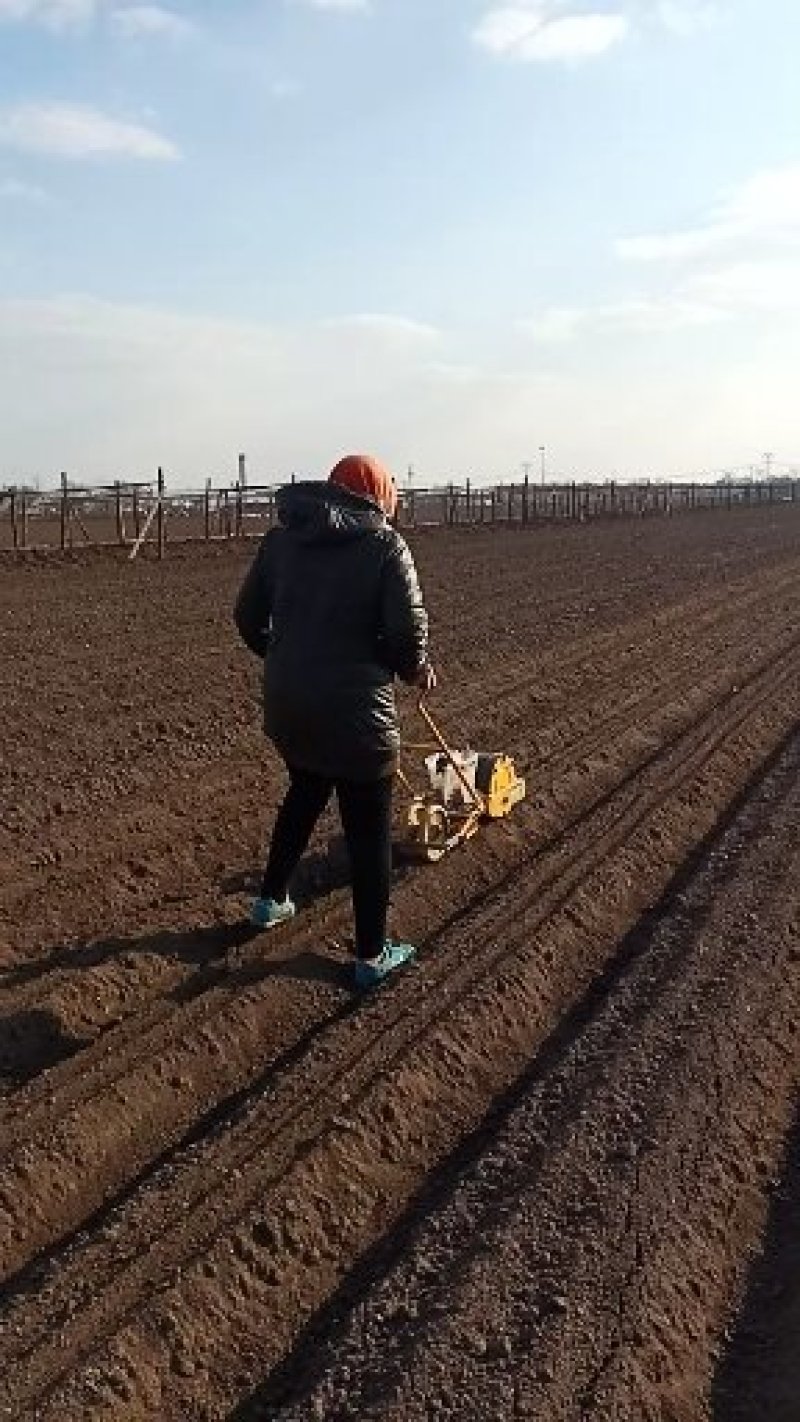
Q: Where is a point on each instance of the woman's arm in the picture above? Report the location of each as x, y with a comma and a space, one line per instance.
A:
404, 621
253, 606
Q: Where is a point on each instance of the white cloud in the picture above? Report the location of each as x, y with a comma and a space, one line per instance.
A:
764, 210
743, 287
343, 5
129, 19
145, 21
12, 189
646, 316
667, 246
556, 325
105, 390
572, 30
66, 130
744, 261
130, 386
686, 17
769, 201
536, 32
390, 330
56, 14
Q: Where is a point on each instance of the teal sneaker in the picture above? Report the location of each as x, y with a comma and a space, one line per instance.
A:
268, 913
394, 956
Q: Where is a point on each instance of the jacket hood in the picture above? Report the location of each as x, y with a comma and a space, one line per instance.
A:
323, 513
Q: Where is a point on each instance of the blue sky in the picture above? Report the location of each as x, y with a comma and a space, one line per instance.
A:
449, 231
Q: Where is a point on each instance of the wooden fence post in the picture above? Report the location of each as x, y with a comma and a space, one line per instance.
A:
161, 512
64, 511
469, 504
118, 501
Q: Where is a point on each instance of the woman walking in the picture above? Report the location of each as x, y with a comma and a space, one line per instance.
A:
333, 606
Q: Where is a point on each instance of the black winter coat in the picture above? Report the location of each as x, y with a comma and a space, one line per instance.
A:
333, 605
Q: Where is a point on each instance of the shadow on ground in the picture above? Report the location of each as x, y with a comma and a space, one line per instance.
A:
34, 1039
194, 946
31, 1042
758, 1376
321, 873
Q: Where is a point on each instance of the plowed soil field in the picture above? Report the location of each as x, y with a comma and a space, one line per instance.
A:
551, 1172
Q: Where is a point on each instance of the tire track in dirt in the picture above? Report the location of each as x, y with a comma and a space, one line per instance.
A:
620, 825
561, 582
81, 984
199, 1052
72, 997
236, 1266
584, 1262
83, 1002
613, 650
80, 1070
143, 831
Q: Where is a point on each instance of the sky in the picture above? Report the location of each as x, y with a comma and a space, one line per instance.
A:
450, 232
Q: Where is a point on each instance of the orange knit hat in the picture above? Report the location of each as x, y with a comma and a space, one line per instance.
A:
368, 478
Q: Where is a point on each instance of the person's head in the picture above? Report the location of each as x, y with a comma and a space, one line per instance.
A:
366, 477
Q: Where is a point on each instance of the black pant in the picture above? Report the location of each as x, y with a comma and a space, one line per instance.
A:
366, 814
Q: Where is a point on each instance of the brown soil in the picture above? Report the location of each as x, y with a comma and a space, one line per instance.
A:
579, 1258
522, 1181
